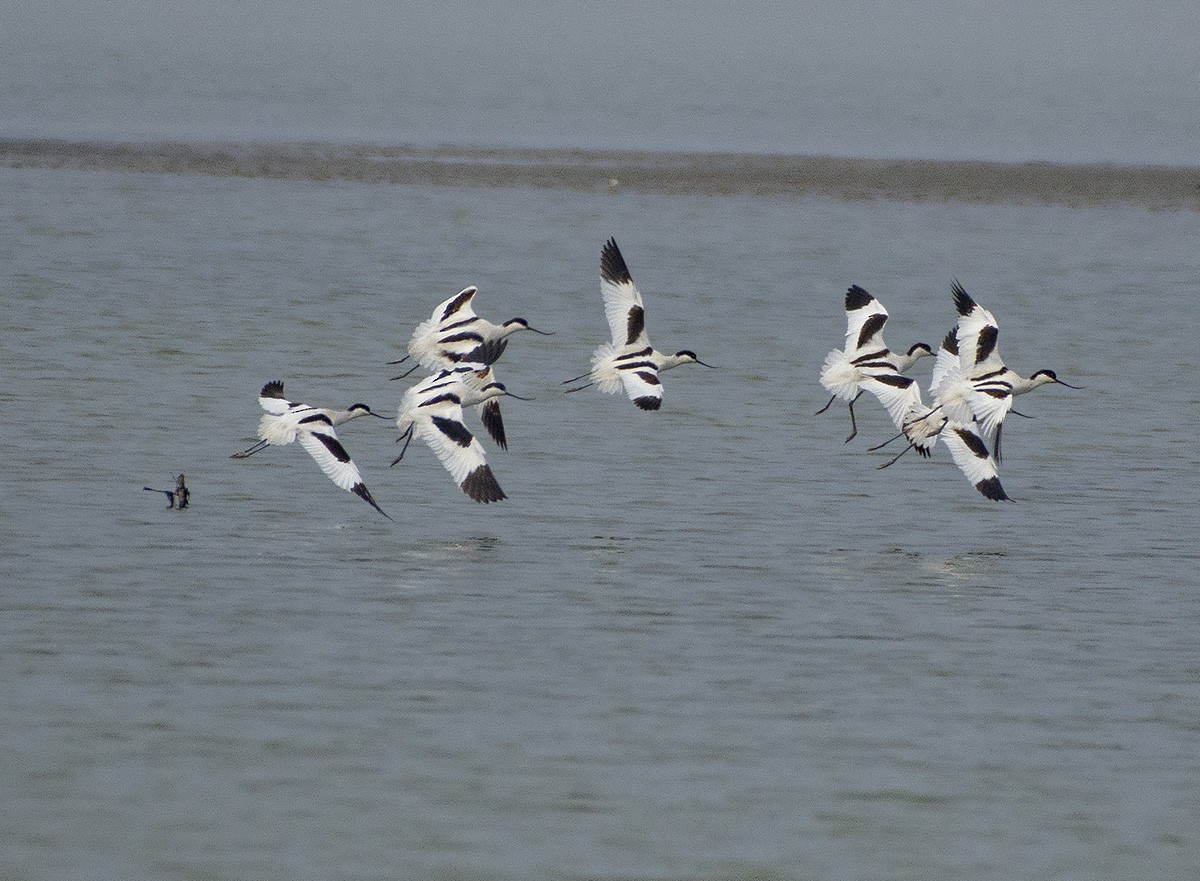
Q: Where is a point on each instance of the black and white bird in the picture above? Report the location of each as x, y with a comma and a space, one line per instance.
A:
990, 384
433, 410
866, 364
285, 421
454, 334
629, 361
949, 418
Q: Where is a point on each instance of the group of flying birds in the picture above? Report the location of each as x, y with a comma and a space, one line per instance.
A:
459, 348
972, 389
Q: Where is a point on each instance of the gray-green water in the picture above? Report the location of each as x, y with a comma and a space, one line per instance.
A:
708, 642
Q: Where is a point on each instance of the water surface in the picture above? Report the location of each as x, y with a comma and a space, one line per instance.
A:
708, 642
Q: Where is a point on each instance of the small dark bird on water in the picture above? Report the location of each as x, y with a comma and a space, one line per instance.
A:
176, 498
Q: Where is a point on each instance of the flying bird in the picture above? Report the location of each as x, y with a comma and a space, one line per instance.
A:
990, 384
433, 410
454, 334
866, 364
285, 421
629, 361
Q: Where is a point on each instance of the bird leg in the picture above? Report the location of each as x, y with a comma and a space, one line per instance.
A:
406, 373
892, 460
406, 437
885, 443
853, 424
250, 452
577, 378
826, 407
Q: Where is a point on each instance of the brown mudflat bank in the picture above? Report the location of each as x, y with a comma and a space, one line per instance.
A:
1162, 187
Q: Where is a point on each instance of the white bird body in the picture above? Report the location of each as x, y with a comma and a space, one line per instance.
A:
433, 410
865, 363
286, 421
629, 361
454, 334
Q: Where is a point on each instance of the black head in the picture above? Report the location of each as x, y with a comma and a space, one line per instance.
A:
689, 355
920, 347
363, 409
1051, 376
524, 325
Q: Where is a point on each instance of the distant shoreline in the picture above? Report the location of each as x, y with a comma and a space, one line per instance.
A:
919, 180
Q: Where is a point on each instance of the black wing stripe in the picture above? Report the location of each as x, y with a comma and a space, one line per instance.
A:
457, 302
465, 336
456, 431
986, 344
973, 443
641, 353
870, 327
637, 324
333, 445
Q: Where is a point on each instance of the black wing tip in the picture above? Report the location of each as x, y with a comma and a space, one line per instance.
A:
273, 389
950, 343
992, 489
486, 354
649, 402
962, 300
612, 264
856, 298
481, 485
360, 490
493, 422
